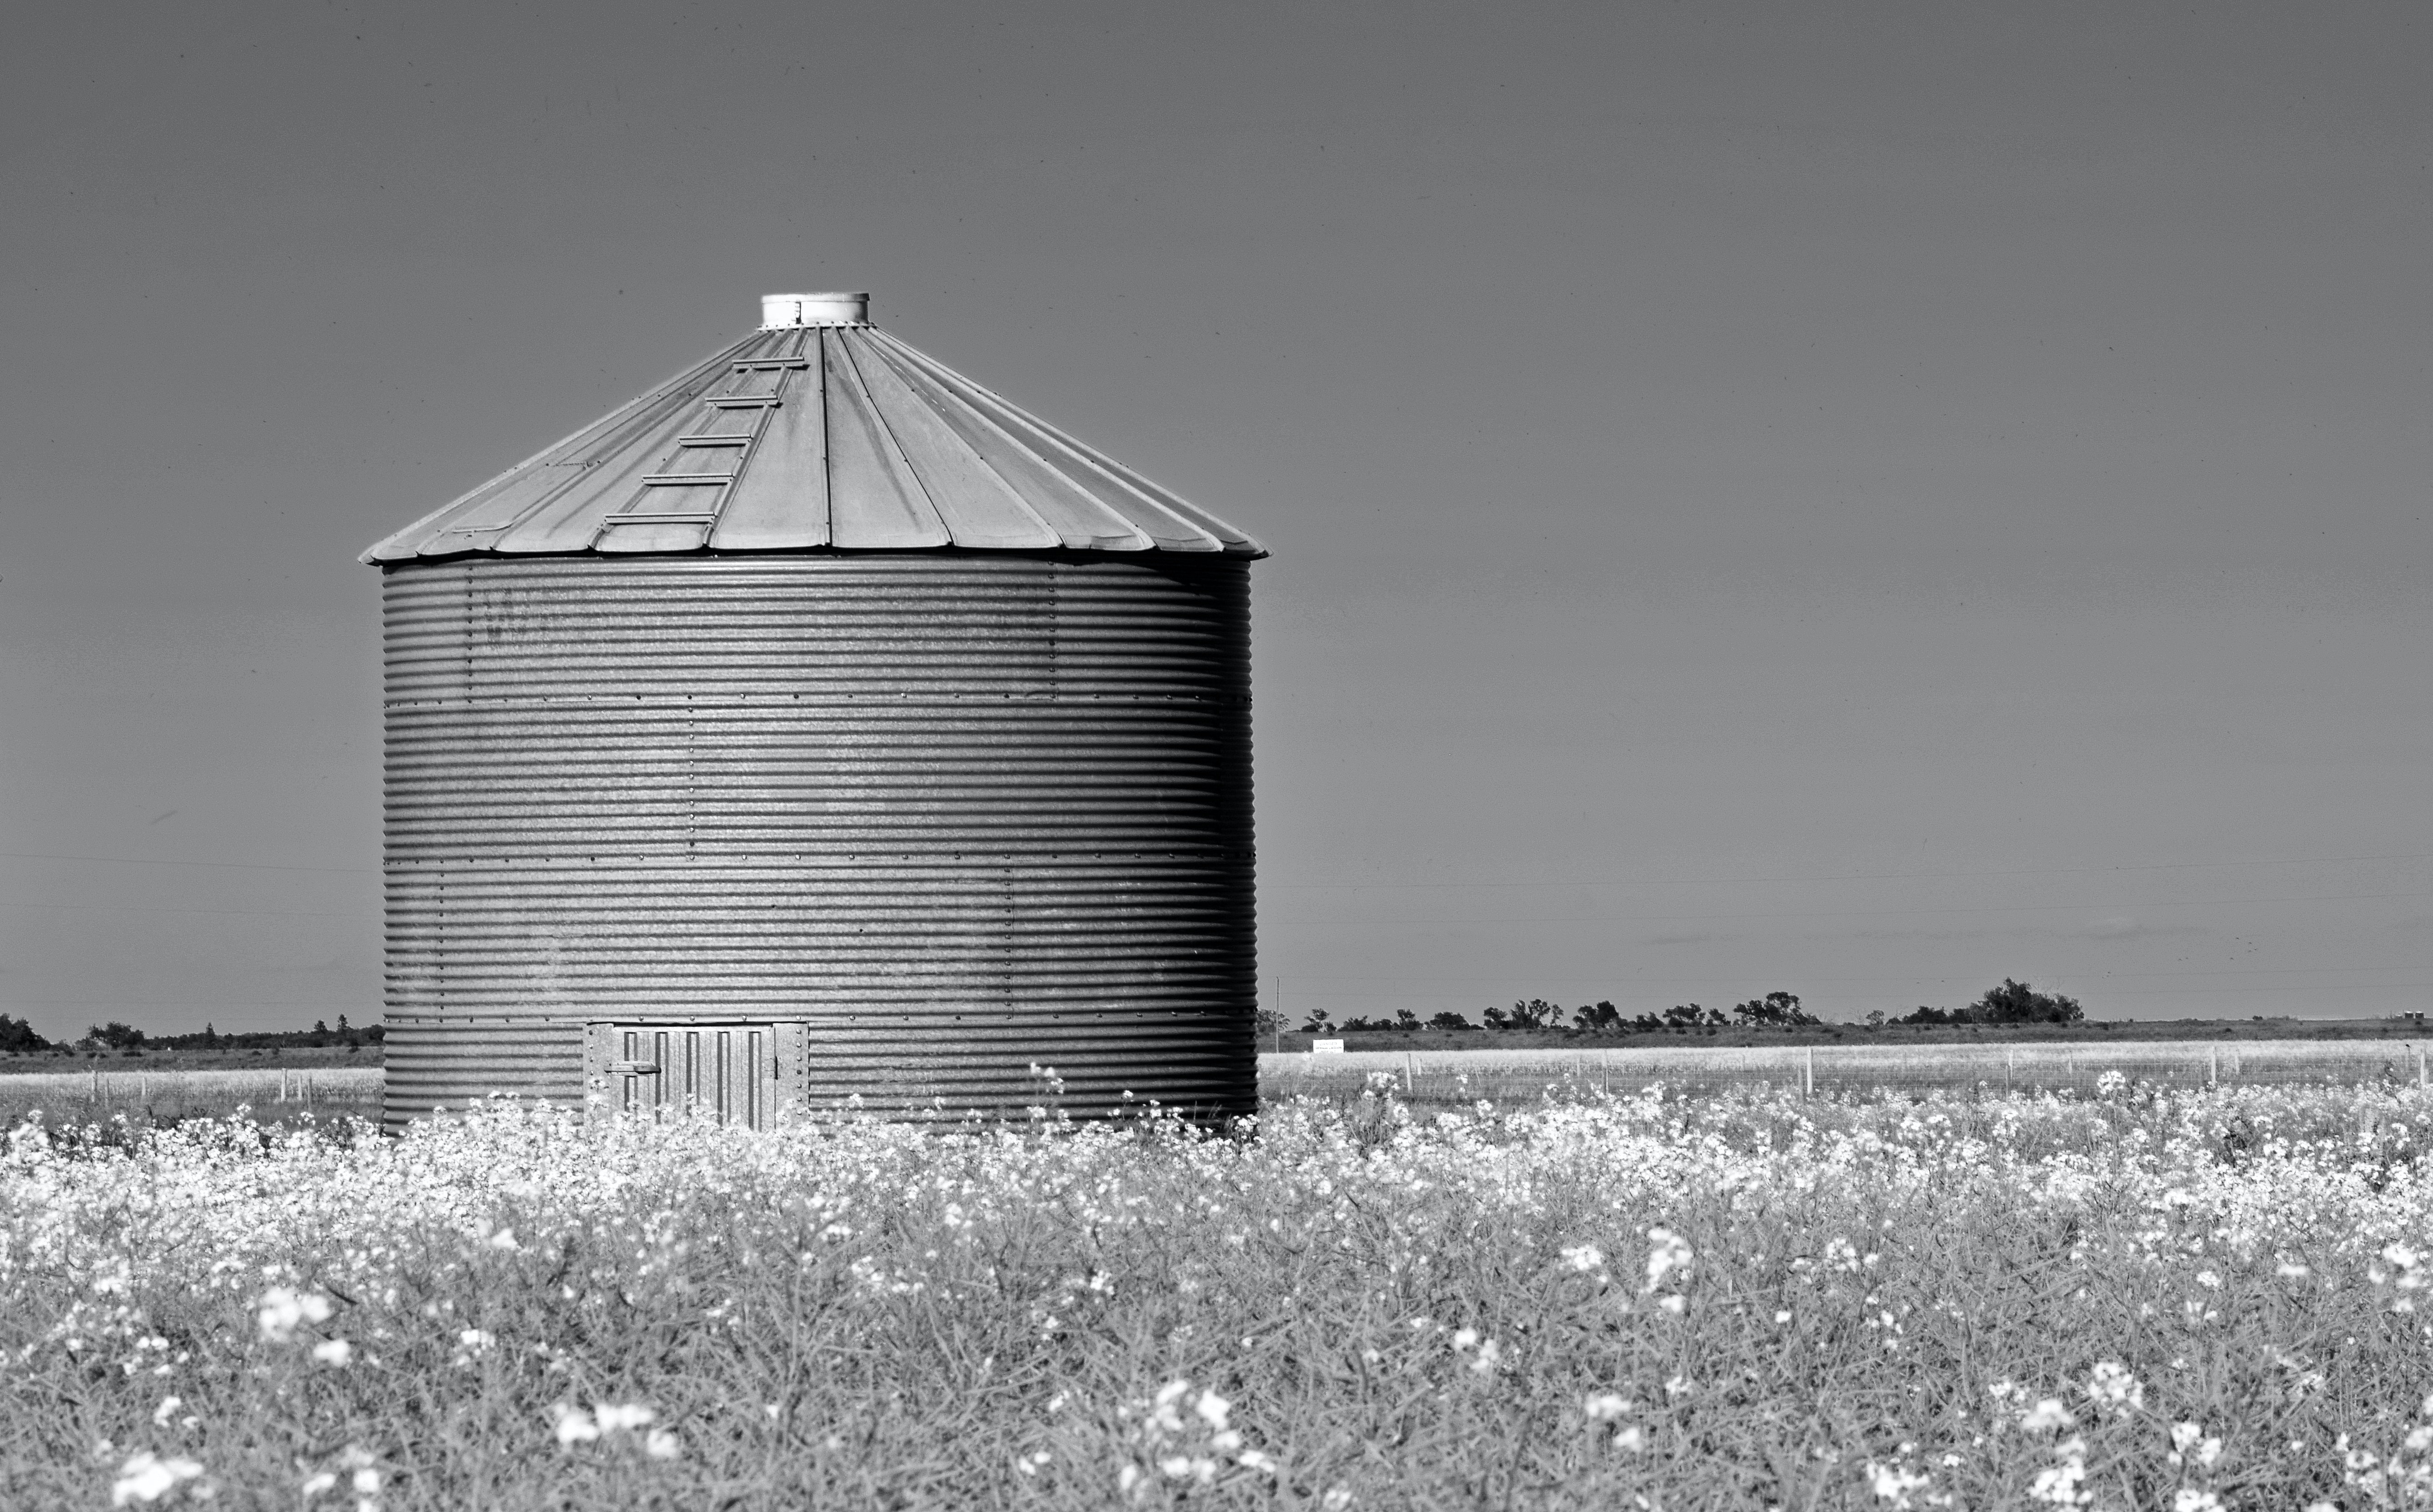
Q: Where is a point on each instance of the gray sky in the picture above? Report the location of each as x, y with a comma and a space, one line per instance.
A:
1864, 500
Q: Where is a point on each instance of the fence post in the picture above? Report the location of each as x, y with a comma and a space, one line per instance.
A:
2419, 1068
1808, 1074
1406, 1073
2010, 1055
97, 1083
2213, 1067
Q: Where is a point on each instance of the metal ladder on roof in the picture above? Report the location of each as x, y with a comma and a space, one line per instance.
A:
758, 384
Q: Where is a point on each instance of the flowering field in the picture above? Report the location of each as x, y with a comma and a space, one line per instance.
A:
2068, 1066
87, 1097
2142, 1298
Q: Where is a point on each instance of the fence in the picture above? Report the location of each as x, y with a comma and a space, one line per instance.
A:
89, 1094
1460, 1075
1455, 1076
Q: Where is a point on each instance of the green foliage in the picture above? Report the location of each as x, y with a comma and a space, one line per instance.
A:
1736, 1303
17, 1036
320, 1036
1773, 1011
1596, 1018
1530, 1013
2010, 1002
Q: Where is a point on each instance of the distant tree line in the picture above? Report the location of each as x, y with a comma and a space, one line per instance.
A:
2010, 1002
1536, 1014
18, 1037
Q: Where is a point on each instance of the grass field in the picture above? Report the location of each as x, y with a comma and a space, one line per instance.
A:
2177, 1298
1461, 1075
147, 1096
1426, 1078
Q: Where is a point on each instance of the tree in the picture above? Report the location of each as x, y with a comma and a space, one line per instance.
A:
1690, 1016
1597, 1017
1406, 1020
1534, 1013
1450, 1020
114, 1035
17, 1035
2018, 1003
1773, 1011
2010, 1002
1318, 1023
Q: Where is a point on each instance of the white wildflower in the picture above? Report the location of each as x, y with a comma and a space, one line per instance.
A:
2046, 1416
615, 1419
1896, 1484
282, 1310
2111, 1387
575, 1425
147, 1477
1668, 1253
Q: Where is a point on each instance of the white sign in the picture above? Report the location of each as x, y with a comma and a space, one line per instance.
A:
1326, 1046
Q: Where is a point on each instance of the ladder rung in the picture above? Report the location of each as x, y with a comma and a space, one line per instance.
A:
726, 401
713, 440
687, 480
765, 364
662, 516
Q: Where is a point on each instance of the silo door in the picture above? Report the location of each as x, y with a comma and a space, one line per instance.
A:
728, 1071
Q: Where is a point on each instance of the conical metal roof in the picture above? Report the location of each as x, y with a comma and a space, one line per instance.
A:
819, 431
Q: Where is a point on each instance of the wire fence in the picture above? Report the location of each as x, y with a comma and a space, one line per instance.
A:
79, 1096
1444, 1076
1502, 1074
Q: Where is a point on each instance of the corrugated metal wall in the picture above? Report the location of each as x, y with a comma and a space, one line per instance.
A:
956, 812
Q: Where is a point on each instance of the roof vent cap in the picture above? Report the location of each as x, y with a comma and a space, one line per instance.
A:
789, 311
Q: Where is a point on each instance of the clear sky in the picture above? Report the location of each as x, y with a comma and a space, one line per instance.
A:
1862, 500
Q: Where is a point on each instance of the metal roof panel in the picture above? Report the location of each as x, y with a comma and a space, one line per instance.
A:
874, 501
825, 433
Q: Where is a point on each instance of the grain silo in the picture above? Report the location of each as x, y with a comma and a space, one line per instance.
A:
819, 725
